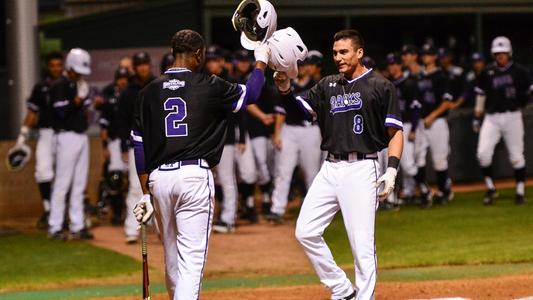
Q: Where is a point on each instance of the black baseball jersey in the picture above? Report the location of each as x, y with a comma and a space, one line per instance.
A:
469, 94
352, 117
68, 115
110, 113
268, 97
433, 88
126, 103
456, 82
183, 115
506, 88
40, 102
406, 94
298, 91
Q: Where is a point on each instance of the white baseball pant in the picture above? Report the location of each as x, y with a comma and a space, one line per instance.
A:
262, 150
508, 125
299, 144
228, 180
350, 188
183, 200
115, 157
44, 155
72, 162
436, 138
134, 195
408, 163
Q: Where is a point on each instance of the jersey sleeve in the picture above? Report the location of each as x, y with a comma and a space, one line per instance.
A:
481, 84
35, 102
391, 107
231, 96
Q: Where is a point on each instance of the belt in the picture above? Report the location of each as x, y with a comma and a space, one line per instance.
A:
350, 156
187, 162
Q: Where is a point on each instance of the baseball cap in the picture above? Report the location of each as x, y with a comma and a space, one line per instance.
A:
214, 52
444, 52
393, 58
428, 49
166, 61
409, 49
141, 58
477, 56
241, 55
368, 62
314, 57
122, 72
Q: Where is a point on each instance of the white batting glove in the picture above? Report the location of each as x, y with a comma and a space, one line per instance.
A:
23, 135
83, 89
144, 209
387, 180
282, 81
262, 53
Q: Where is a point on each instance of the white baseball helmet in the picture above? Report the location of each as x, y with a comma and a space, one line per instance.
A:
79, 61
501, 44
286, 49
257, 20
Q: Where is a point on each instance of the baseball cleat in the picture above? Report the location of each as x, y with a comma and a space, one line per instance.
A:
489, 197
42, 223
274, 218
221, 227
83, 234
427, 199
131, 239
520, 199
57, 236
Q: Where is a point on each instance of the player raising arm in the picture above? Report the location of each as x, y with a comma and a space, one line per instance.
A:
180, 124
358, 115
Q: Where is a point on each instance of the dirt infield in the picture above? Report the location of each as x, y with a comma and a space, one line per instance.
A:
271, 250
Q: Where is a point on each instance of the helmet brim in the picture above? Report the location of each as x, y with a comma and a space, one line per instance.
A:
247, 43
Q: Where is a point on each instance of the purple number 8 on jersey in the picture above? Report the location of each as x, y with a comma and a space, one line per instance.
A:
173, 128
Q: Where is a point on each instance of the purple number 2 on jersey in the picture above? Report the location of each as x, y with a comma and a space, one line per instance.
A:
173, 125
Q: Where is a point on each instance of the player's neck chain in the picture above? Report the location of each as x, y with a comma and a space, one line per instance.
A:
345, 96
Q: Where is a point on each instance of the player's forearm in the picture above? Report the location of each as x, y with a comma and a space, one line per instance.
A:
280, 119
254, 85
396, 142
255, 111
143, 179
443, 107
30, 119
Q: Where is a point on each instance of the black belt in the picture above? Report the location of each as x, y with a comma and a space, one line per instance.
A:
187, 162
350, 156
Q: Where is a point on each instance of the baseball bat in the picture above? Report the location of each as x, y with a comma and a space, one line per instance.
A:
144, 250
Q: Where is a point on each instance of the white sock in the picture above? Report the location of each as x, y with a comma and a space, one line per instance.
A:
489, 183
250, 201
520, 188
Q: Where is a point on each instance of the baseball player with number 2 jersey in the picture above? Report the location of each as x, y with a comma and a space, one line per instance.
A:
358, 115
502, 90
180, 124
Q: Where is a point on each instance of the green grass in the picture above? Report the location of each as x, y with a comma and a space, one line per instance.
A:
29, 261
463, 232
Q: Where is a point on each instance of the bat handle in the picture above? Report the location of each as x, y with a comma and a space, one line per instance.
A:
144, 246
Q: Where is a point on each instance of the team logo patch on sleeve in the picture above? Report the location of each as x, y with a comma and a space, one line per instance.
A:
173, 84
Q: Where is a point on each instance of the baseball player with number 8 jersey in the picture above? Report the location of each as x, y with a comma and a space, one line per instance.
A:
502, 90
358, 115
180, 125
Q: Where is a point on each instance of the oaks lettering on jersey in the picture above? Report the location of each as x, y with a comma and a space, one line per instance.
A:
345, 102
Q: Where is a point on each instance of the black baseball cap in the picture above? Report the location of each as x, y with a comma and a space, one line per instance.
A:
428, 49
477, 56
314, 57
409, 49
444, 52
241, 55
393, 58
166, 62
122, 72
214, 52
368, 62
141, 58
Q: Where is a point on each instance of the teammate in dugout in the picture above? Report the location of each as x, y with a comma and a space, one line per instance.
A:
503, 89
143, 75
40, 113
358, 115
110, 134
178, 135
69, 98
435, 95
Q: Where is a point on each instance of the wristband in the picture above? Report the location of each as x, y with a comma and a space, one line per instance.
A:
394, 162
